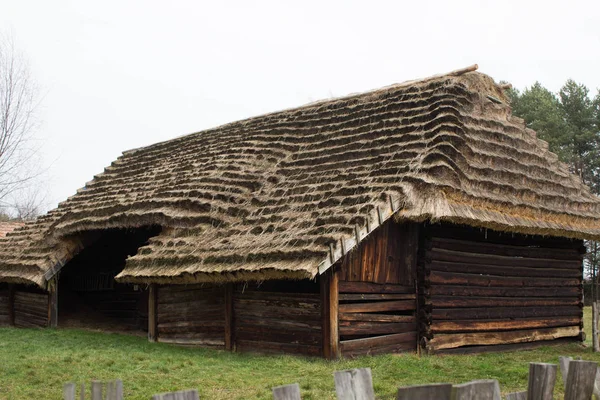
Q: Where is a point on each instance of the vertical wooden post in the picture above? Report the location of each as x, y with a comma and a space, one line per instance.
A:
334, 337
152, 312
329, 312
324, 291
53, 302
11, 304
542, 378
229, 340
287, 392
595, 345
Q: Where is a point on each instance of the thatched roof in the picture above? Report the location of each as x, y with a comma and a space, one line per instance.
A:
9, 226
286, 194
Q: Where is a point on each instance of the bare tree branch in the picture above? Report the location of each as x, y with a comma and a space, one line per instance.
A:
18, 149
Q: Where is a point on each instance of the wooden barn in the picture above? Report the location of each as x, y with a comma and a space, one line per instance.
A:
420, 216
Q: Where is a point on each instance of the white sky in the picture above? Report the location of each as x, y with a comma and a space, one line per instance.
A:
123, 74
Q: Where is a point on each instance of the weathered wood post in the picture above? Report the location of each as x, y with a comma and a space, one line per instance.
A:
563, 362
287, 392
11, 304
595, 326
486, 389
330, 303
229, 340
516, 396
181, 395
354, 384
69, 391
152, 312
97, 387
53, 302
436, 391
542, 378
580, 380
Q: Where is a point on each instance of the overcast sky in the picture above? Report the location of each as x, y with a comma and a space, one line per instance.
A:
123, 74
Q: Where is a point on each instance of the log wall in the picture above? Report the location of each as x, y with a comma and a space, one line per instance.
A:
4, 305
486, 288
31, 308
377, 293
191, 315
277, 322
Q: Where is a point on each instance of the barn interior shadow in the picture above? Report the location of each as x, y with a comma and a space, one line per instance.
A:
88, 295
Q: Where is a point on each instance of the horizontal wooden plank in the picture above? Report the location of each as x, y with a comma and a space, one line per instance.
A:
278, 335
453, 340
508, 347
37, 312
501, 325
363, 317
277, 348
193, 342
199, 336
375, 297
397, 305
490, 236
402, 347
447, 290
368, 287
490, 259
367, 344
487, 312
455, 278
191, 315
348, 328
275, 322
491, 301
447, 266
504, 249
26, 321
277, 296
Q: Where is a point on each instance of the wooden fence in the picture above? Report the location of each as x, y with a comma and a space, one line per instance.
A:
581, 380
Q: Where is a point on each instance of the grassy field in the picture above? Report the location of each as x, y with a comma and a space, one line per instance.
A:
34, 364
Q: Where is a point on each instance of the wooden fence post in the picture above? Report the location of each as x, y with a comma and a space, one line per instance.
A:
181, 395
152, 312
287, 392
595, 326
437, 391
516, 396
563, 362
354, 384
69, 391
486, 389
580, 380
82, 393
114, 390
542, 378
97, 390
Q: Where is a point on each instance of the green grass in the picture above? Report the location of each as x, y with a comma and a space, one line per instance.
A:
36, 363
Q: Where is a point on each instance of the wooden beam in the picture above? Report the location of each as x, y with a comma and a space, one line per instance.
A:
11, 304
53, 302
325, 323
152, 312
229, 339
330, 313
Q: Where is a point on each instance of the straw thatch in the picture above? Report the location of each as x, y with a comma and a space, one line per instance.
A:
286, 194
9, 226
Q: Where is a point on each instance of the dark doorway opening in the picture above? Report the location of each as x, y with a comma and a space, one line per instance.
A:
88, 295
